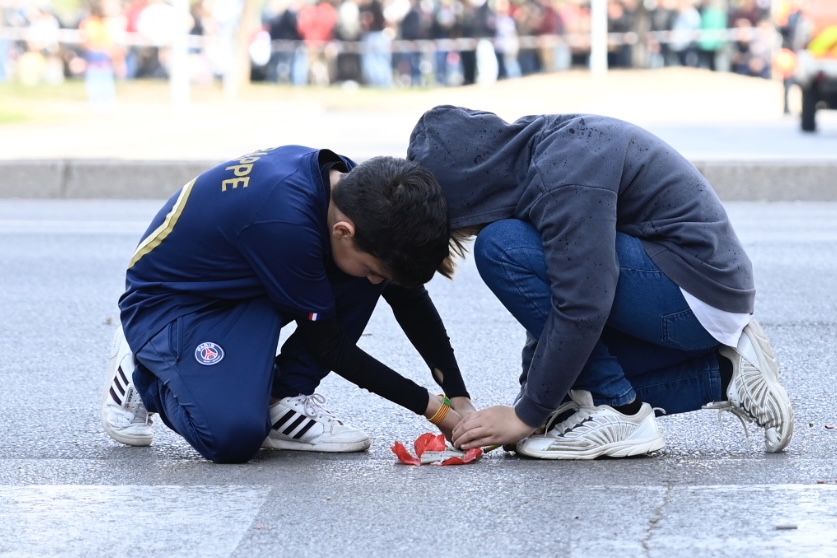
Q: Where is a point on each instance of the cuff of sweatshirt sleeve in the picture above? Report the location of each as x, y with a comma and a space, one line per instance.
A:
455, 388
451, 393
531, 412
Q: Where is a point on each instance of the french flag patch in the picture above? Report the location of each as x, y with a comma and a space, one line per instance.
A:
313, 316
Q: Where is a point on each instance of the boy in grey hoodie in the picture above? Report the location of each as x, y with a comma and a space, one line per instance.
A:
619, 260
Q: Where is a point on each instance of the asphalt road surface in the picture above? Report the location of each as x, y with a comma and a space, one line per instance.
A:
67, 489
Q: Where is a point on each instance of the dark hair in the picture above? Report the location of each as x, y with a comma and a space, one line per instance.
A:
400, 217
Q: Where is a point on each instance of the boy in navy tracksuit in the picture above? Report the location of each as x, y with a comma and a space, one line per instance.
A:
279, 235
619, 260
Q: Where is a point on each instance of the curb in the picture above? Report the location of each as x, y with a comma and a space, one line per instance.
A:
91, 178
752, 180
761, 180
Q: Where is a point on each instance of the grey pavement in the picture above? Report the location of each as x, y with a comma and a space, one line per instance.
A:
730, 126
67, 490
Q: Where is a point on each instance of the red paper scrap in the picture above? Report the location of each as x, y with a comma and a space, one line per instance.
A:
435, 451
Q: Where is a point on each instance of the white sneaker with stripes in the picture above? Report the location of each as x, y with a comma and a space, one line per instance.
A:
755, 393
123, 413
303, 423
594, 431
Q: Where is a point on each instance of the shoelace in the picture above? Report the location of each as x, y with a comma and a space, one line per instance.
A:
563, 408
742, 416
579, 417
313, 406
134, 404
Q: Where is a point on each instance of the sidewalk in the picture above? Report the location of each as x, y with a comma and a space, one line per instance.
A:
730, 126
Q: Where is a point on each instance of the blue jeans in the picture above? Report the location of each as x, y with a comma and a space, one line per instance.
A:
652, 346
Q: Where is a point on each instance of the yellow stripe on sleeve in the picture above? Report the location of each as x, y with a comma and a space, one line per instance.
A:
164, 230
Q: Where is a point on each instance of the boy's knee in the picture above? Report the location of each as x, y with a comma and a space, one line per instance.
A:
487, 246
235, 443
492, 242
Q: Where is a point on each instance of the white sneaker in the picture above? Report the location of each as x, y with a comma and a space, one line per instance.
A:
754, 393
302, 423
595, 431
123, 412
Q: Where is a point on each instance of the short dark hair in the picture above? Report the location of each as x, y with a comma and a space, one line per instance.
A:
400, 216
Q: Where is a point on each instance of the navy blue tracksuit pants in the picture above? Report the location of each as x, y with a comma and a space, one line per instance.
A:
220, 405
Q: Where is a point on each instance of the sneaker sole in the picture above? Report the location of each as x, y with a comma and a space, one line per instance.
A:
329, 447
124, 435
775, 396
616, 449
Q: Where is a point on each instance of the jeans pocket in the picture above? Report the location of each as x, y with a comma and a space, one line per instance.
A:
681, 330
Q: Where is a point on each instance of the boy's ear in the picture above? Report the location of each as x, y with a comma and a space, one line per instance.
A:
343, 229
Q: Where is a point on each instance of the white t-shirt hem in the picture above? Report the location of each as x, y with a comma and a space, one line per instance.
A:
725, 327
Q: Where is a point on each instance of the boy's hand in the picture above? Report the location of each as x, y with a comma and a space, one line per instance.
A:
494, 425
463, 406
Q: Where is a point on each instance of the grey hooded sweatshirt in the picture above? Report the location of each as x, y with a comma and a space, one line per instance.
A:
578, 179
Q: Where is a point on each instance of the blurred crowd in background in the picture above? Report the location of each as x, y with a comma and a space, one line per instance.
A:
381, 43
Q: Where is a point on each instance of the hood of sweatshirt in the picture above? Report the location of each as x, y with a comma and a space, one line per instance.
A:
480, 160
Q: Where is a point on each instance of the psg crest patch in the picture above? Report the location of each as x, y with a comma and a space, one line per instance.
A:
209, 353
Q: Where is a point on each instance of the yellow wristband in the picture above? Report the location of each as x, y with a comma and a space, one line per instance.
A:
440, 415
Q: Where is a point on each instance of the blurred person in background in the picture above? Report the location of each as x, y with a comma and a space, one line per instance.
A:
789, 23
157, 24
567, 12
684, 31
203, 26
317, 25
40, 62
746, 16
713, 20
349, 67
506, 41
8, 18
740, 63
620, 20
575, 17
137, 58
376, 45
102, 39
528, 17
550, 27
283, 31
764, 42
444, 27
751, 10
752, 49
411, 27
477, 22
661, 22
221, 24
